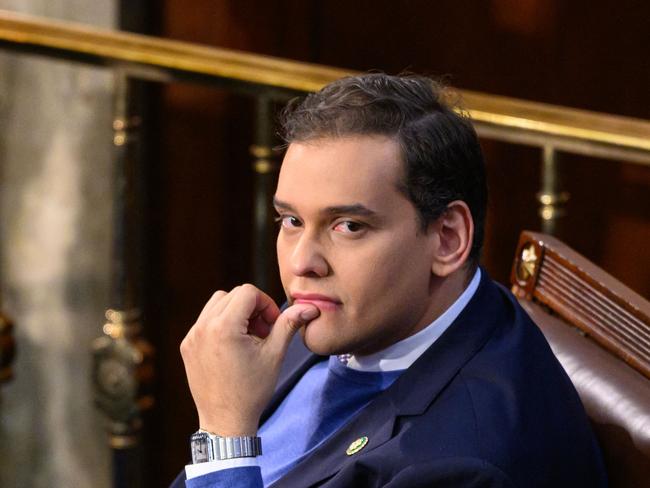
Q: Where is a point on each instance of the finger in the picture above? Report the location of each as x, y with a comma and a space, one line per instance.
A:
288, 323
209, 305
248, 304
260, 324
259, 328
221, 305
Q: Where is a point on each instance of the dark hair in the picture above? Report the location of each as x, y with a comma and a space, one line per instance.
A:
443, 158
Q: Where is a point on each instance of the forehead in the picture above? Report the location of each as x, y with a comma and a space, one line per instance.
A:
338, 171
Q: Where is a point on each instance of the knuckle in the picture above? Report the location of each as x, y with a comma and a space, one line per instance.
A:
185, 346
293, 323
248, 288
219, 294
191, 339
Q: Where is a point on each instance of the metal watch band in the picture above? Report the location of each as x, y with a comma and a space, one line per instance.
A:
210, 447
237, 447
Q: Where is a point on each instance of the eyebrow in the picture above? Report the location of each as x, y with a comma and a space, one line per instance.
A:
352, 209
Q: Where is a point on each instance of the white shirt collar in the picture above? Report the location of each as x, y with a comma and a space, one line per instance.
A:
404, 353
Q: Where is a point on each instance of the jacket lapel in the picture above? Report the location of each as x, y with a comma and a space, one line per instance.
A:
374, 422
410, 394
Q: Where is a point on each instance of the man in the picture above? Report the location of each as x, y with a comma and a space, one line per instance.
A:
418, 369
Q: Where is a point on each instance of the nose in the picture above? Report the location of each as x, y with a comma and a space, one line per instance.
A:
307, 257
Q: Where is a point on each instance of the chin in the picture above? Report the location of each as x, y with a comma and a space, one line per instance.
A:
322, 343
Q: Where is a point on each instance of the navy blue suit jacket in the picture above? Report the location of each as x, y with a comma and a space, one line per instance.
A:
487, 404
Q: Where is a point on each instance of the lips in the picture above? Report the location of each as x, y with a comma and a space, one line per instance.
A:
322, 302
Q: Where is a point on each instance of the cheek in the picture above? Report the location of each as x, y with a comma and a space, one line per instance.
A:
369, 276
283, 260
280, 249
397, 271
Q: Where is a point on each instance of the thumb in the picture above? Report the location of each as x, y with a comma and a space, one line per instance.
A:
288, 323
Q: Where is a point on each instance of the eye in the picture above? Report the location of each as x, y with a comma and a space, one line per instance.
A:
349, 227
288, 221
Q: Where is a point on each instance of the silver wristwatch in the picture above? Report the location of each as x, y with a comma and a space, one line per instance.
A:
211, 447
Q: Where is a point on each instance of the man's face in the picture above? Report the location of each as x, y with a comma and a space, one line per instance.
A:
351, 244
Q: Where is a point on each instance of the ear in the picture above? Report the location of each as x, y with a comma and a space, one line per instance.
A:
453, 234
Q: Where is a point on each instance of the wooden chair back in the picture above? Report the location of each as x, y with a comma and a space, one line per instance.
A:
600, 331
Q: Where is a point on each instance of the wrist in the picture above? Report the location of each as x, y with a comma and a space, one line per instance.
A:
225, 428
223, 431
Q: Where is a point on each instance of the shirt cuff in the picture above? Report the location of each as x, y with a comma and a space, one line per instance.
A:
200, 469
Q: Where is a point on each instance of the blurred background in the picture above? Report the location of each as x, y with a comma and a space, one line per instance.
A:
60, 244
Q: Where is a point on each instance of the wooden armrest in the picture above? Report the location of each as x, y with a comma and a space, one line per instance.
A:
549, 272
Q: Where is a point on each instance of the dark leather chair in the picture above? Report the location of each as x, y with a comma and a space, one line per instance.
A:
600, 331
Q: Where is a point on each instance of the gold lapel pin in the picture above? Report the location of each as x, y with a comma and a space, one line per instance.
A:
357, 445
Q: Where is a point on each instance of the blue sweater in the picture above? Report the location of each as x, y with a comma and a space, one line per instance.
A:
324, 399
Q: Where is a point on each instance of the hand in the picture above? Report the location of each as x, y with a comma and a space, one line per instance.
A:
232, 357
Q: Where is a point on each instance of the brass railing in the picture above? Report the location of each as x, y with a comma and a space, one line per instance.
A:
147, 57
552, 128
549, 127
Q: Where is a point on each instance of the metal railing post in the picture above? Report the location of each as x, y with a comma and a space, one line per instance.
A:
551, 198
265, 168
123, 366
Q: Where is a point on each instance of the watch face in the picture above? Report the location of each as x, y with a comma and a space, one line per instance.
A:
200, 447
